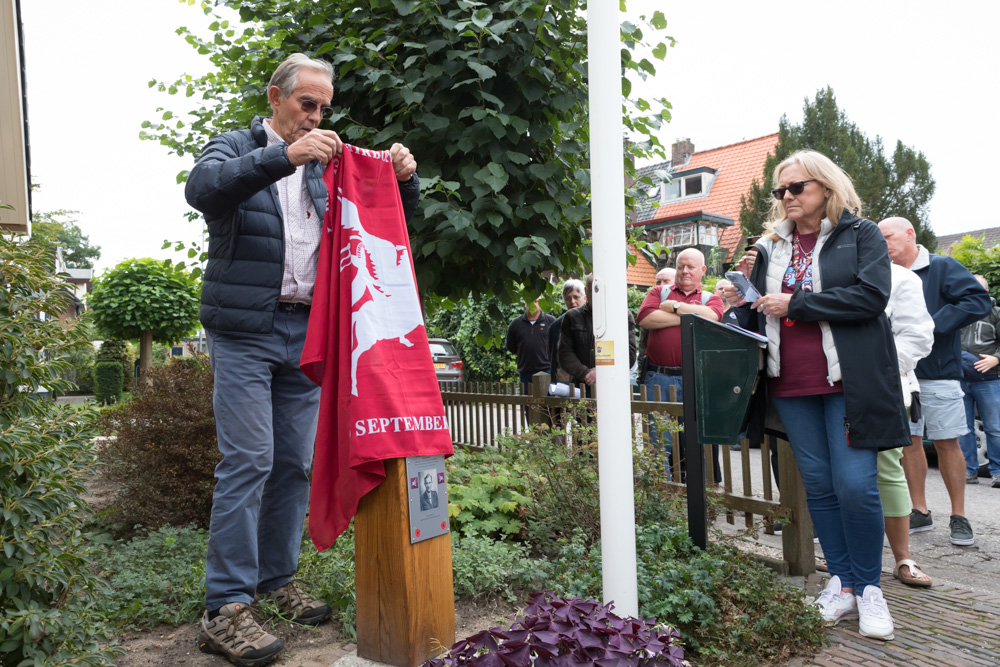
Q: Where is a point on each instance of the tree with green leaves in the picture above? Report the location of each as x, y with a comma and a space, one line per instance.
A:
491, 97
146, 300
889, 185
60, 228
979, 259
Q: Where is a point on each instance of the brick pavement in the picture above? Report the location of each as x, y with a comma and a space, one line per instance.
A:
941, 626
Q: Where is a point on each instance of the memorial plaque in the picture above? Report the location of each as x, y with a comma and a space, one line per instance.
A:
427, 492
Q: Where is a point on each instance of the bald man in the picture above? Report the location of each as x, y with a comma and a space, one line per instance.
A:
954, 299
665, 276
660, 314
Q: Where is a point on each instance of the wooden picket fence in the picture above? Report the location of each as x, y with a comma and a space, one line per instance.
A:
480, 414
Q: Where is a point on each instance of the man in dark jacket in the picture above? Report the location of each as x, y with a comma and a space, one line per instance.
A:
528, 340
955, 300
981, 364
262, 194
576, 342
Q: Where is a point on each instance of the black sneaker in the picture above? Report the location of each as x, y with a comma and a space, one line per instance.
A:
920, 522
961, 531
996, 481
235, 635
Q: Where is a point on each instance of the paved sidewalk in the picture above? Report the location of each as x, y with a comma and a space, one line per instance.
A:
934, 627
957, 622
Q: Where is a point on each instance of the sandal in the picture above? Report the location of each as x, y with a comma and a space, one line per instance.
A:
915, 578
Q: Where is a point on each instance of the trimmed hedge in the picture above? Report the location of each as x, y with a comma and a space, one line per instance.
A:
108, 382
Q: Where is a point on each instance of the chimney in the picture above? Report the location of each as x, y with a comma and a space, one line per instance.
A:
680, 152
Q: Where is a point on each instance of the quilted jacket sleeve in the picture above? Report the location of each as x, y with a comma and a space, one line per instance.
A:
232, 169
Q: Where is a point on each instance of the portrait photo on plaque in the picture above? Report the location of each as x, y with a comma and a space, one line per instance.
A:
428, 497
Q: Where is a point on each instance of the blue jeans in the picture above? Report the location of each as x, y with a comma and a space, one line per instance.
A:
653, 379
265, 412
664, 382
986, 396
841, 487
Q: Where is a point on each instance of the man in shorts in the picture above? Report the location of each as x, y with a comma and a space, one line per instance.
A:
954, 299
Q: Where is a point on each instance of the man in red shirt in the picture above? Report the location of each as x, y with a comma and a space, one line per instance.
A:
660, 314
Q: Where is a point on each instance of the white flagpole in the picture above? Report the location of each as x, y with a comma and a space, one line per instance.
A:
614, 427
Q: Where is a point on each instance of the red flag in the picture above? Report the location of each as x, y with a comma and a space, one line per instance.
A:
366, 345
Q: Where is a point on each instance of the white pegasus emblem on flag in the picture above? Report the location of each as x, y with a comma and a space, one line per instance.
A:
384, 301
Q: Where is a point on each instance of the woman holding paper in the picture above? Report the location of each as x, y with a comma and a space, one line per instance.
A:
825, 277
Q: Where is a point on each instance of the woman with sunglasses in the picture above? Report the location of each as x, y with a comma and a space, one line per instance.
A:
825, 277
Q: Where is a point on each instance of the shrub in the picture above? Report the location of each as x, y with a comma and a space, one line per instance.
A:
482, 566
477, 328
81, 371
729, 608
118, 350
163, 458
154, 579
107, 382
159, 578
486, 495
569, 631
47, 593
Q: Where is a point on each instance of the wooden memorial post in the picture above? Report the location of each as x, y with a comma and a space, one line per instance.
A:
405, 596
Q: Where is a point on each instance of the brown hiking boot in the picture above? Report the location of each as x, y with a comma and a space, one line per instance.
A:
300, 607
235, 635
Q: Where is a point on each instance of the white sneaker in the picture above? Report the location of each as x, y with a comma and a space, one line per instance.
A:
835, 606
876, 622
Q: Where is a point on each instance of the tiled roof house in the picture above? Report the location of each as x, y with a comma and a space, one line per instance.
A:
990, 236
643, 273
700, 206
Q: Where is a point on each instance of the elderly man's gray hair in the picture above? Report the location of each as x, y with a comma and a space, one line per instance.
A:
573, 285
286, 77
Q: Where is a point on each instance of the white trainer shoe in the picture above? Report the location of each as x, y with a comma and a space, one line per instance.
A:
876, 622
835, 606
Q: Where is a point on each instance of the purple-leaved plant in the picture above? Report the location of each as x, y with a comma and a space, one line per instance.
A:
554, 631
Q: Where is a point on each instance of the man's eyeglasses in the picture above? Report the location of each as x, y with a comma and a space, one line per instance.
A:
310, 106
795, 188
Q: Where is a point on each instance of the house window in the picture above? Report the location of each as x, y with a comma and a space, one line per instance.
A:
679, 236
177, 351
708, 234
685, 186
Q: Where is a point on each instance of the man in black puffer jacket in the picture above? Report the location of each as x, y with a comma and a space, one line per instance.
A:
262, 194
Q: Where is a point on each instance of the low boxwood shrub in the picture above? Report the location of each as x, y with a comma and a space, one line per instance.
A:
113, 349
163, 457
107, 382
555, 631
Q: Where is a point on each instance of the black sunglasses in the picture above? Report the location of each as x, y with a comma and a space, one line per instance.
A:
795, 188
310, 106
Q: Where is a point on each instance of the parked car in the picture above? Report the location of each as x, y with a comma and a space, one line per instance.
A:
447, 362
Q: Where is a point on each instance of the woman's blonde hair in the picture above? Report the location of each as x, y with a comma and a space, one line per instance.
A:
829, 175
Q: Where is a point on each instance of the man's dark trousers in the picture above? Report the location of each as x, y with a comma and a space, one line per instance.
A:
265, 413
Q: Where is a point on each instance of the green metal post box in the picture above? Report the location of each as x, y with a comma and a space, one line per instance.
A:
726, 363
720, 370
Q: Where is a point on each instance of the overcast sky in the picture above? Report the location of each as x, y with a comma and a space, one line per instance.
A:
918, 71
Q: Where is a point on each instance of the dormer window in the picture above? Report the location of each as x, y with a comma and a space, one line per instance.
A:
693, 183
